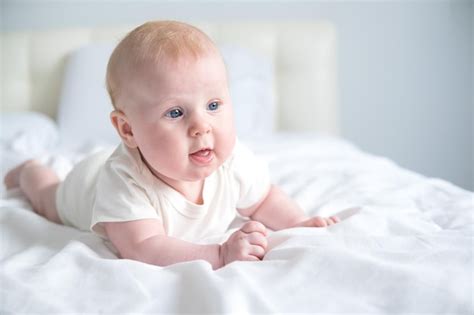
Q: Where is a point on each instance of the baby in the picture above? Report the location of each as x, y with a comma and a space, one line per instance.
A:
179, 175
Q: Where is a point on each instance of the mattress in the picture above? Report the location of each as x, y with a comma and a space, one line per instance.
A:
405, 245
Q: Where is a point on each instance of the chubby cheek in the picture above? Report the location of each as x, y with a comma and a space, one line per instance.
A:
226, 138
157, 147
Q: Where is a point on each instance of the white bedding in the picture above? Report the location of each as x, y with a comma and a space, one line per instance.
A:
408, 248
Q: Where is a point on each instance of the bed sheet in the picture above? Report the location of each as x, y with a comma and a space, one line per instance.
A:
405, 245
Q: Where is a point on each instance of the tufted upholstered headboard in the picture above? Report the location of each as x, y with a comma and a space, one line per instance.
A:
303, 55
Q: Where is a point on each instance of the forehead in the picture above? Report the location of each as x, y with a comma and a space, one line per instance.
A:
187, 71
178, 77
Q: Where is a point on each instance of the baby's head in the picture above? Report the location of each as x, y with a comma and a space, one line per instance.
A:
152, 44
168, 84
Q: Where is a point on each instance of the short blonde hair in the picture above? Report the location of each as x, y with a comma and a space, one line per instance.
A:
149, 44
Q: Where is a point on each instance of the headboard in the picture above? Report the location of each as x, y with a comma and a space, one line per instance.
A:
303, 55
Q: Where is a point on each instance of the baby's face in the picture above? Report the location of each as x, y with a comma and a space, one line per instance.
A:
182, 120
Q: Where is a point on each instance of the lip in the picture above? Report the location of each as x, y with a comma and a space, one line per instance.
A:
202, 156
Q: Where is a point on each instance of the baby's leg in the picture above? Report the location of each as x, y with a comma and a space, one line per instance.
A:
39, 183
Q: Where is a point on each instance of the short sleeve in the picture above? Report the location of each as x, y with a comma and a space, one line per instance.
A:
251, 176
120, 197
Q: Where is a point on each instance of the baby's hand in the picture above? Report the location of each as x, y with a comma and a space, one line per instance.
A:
318, 222
248, 243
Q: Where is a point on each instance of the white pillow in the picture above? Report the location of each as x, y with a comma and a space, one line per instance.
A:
83, 114
251, 87
84, 107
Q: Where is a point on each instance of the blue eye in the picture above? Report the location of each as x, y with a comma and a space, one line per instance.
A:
213, 106
174, 113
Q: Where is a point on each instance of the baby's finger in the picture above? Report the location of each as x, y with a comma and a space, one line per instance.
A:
256, 238
257, 251
252, 258
254, 226
318, 222
335, 219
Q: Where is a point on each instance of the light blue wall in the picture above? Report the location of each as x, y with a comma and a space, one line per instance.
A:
405, 67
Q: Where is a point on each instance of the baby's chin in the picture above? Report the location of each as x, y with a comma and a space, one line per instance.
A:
198, 175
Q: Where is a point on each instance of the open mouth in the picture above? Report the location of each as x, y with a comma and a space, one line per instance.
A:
203, 156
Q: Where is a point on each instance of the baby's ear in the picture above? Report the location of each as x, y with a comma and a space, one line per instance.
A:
123, 127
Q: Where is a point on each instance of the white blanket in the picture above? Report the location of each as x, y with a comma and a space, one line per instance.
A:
405, 246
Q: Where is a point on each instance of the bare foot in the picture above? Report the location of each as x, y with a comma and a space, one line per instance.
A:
12, 179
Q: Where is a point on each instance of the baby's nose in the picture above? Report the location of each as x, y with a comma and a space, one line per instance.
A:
200, 128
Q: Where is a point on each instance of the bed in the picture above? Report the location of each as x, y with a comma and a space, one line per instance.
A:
404, 246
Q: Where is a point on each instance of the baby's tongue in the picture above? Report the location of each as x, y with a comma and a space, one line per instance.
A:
201, 153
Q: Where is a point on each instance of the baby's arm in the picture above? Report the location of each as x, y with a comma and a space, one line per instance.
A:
146, 241
278, 211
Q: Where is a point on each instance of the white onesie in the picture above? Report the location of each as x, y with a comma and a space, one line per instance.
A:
120, 187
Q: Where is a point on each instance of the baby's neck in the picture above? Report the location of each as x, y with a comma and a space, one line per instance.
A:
192, 191
194, 194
